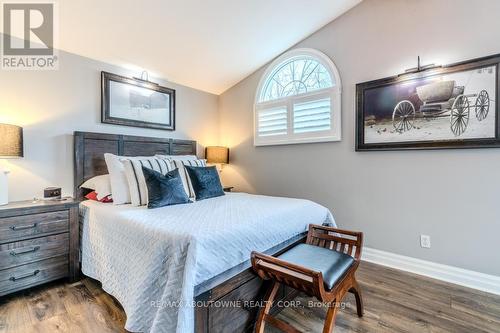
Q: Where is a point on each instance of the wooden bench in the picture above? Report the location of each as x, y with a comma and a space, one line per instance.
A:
323, 267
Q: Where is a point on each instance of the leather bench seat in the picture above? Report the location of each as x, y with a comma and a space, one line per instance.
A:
331, 264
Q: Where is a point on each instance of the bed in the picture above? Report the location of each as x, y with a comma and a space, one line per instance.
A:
151, 259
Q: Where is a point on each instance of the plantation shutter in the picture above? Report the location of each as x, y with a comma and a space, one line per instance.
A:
272, 121
312, 116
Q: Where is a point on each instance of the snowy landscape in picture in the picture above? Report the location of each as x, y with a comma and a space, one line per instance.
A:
445, 107
139, 104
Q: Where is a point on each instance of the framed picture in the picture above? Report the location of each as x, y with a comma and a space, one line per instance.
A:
454, 106
138, 103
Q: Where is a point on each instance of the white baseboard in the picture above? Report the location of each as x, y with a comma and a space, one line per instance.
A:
460, 276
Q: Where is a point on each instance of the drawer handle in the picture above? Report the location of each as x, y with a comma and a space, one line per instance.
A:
22, 227
14, 279
14, 253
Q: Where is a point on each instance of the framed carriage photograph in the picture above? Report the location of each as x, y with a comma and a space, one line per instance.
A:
135, 102
453, 106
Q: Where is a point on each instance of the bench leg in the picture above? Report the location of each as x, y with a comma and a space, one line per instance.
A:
330, 317
359, 300
268, 302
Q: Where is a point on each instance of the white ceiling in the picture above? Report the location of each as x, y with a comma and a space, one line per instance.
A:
205, 44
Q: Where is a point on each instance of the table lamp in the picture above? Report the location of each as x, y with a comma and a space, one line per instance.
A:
217, 155
11, 146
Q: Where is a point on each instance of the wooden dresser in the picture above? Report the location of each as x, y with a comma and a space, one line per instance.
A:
38, 243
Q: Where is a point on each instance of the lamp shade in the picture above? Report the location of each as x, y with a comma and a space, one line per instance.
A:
217, 154
11, 141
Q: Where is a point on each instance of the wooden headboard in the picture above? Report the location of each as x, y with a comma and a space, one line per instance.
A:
91, 147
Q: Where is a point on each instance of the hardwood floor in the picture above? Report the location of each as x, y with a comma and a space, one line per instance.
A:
395, 301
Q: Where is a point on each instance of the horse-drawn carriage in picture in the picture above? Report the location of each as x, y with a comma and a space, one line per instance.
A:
441, 99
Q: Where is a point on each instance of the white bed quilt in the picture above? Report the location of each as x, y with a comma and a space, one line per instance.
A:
150, 260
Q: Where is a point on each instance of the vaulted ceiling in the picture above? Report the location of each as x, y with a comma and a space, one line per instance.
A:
205, 44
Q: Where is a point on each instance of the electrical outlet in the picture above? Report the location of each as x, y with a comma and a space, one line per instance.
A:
425, 241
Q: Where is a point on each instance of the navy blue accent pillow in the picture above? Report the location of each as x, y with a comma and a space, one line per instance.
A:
164, 190
205, 181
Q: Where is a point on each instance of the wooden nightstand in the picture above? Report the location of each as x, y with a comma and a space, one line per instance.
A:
39, 242
228, 188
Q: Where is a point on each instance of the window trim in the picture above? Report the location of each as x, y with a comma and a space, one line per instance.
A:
334, 134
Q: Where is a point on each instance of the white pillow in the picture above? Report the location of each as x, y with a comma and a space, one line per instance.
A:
118, 180
186, 181
135, 176
119, 184
178, 157
100, 184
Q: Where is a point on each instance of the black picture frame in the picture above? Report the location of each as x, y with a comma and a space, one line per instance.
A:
474, 64
106, 107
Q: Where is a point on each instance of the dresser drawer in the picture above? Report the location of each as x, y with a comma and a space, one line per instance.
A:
21, 277
21, 227
24, 252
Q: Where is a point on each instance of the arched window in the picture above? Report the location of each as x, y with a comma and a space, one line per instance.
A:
298, 100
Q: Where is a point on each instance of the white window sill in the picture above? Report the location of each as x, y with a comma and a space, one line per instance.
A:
296, 141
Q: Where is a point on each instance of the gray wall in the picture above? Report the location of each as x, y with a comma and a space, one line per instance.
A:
393, 197
50, 105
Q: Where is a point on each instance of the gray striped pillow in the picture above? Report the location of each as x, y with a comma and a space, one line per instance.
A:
135, 176
186, 181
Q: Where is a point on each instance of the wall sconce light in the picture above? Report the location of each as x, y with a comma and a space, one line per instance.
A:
420, 68
11, 146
